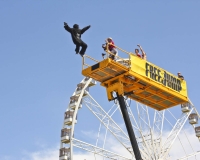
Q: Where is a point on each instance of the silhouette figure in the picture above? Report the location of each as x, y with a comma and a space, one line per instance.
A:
76, 37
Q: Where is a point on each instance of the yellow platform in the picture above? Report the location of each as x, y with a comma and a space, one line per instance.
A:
140, 80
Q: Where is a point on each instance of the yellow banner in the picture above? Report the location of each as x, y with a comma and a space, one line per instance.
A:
159, 76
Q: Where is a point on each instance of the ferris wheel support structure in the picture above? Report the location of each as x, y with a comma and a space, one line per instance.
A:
149, 138
174, 133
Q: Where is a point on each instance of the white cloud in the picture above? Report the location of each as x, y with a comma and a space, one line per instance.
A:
86, 156
192, 146
53, 154
112, 145
46, 154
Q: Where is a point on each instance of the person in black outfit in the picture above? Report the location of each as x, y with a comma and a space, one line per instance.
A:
180, 76
76, 37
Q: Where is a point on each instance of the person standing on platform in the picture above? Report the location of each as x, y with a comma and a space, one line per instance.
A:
144, 56
137, 53
111, 48
180, 76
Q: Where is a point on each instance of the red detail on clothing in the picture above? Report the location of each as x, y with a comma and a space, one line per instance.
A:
139, 55
110, 47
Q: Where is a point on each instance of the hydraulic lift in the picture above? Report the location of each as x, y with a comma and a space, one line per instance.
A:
129, 127
139, 80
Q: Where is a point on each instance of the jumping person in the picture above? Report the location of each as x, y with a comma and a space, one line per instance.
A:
76, 37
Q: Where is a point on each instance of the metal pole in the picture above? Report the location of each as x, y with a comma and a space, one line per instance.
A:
129, 127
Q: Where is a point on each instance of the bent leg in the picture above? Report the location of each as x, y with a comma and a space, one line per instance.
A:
77, 49
83, 49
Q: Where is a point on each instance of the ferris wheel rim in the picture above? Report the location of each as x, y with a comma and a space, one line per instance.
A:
76, 111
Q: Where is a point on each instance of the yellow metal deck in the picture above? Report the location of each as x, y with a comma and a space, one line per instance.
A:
140, 80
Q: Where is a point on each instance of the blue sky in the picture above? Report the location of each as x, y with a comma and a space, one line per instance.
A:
40, 70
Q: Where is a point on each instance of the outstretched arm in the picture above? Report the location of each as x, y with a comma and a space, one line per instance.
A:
141, 49
67, 27
85, 29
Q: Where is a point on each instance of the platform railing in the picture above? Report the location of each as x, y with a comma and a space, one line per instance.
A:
108, 54
84, 64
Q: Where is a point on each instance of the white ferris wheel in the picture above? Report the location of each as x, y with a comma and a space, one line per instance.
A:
92, 130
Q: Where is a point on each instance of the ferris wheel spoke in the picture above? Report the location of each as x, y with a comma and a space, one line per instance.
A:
145, 130
119, 134
143, 118
102, 115
132, 118
179, 139
97, 150
98, 134
145, 140
190, 155
158, 123
174, 133
143, 146
157, 131
141, 143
